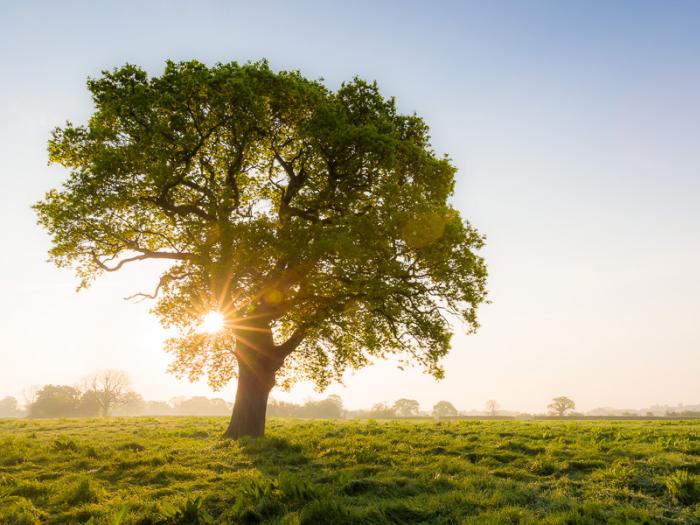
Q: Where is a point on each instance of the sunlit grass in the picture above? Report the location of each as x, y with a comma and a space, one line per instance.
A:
179, 470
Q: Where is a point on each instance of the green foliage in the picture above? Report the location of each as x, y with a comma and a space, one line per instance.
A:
317, 217
348, 472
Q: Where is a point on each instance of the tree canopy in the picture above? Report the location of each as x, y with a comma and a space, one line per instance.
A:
444, 409
406, 407
56, 401
316, 221
107, 389
561, 405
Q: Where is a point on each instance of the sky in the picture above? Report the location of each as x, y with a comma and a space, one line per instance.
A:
575, 128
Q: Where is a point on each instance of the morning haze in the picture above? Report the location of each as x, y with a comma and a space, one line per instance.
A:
575, 132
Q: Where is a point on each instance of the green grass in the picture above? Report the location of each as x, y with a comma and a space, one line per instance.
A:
179, 471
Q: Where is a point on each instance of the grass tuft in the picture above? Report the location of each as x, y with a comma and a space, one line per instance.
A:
65, 445
683, 487
84, 491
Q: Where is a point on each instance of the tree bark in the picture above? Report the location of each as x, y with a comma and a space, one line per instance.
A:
259, 359
254, 385
258, 362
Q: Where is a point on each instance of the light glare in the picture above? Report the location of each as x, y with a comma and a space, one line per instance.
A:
212, 323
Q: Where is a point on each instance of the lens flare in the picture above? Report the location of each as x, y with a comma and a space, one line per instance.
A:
212, 323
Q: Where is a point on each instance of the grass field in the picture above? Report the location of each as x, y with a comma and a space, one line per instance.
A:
179, 470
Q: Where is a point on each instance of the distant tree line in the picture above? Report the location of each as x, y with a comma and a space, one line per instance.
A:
70, 401
107, 393
404, 408
329, 408
683, 413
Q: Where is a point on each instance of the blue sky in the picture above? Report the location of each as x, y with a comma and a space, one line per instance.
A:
575, 128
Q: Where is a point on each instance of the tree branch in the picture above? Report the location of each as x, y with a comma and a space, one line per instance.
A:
183, 209
165, 279
146, 254
292, 343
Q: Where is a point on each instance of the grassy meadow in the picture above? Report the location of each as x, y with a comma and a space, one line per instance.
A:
170, 470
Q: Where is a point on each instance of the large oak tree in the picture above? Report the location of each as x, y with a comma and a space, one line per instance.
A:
316, 221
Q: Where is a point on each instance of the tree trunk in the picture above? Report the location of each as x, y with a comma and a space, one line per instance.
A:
255, 380
259, 359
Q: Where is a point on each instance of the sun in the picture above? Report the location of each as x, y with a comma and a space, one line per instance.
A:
212, 323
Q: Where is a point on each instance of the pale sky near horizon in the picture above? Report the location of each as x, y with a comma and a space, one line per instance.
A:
575, 128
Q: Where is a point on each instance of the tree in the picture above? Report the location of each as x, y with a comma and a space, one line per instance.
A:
561, 405
9, 407
329, 408
106, 389
381, 410
29, 394
492, 407
282, 408
55, 401
315, 222
406, 407
89, 404
444, 409
132, 404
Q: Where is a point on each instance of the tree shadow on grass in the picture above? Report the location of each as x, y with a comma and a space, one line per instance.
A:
296, 482
272, 455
